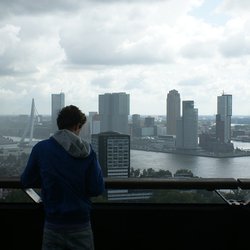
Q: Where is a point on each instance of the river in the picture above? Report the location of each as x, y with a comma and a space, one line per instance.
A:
207, 167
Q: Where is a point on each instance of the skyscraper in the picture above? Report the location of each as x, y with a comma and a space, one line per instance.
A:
223, 118
173, 111
90, 121
113, 152
57, 103
95, 124
136, 125
187, 127
114, 111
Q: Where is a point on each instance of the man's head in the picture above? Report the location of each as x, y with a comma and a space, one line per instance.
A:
71, 118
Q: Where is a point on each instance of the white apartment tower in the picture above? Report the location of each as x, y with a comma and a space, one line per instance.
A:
223, 118
173, 111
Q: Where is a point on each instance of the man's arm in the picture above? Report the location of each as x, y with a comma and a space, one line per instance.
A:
31, 174
95, 181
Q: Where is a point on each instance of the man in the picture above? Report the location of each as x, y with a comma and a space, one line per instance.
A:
69, 174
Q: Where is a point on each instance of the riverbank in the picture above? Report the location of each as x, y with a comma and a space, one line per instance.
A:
198, 152
211, 154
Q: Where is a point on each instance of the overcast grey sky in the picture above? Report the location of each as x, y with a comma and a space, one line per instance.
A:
144, 48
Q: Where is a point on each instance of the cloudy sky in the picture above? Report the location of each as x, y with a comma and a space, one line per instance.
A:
144, 48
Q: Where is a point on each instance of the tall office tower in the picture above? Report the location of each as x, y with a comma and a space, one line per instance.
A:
57, 103
113, 152
149, 121
136, 125
136, 120
187, 127
96, 124
90, 121
173, 111
114, 111
223, 118
149, 128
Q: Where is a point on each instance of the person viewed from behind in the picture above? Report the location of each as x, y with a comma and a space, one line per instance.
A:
69, 174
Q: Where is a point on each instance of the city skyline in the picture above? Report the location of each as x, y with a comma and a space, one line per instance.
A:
141, 47
59, 99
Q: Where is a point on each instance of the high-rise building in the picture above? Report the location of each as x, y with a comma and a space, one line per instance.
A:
173, 111
96, 124
149, 128
136, 125
187, 127
91, 123
113, 152
57, 103
114, 111
223, 118
149, 121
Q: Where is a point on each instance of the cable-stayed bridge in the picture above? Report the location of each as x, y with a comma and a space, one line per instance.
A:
29, 129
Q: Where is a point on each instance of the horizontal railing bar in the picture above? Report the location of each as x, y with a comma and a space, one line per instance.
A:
10, 182
172, 183
244, 183
154, 183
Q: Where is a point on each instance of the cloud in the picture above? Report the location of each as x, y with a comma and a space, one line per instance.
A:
235, 46
108, 37
142, 47
9, 41
21, 54
199, 50
234, 7
103, 82
24, 7
194, 81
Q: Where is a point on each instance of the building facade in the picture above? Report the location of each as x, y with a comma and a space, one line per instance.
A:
223, 118
136, 125
187, 127
114, 111
173, 111
57, 103
113, 152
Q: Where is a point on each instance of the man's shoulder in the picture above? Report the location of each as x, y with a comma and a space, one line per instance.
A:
44, 142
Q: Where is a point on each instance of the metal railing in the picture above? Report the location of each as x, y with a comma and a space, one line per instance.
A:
155, 183
141, 225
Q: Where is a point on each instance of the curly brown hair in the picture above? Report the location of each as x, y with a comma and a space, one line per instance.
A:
70, 116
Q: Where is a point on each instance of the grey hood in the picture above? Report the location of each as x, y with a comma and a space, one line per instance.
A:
72, 143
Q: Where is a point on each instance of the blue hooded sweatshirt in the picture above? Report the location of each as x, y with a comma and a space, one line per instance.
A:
69, 174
